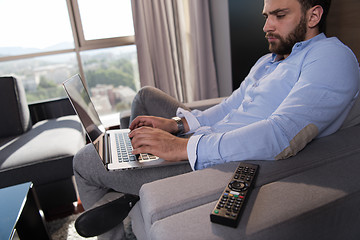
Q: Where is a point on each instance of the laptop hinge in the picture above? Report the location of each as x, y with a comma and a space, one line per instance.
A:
106, 149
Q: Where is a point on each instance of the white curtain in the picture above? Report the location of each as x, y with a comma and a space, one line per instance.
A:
174, 45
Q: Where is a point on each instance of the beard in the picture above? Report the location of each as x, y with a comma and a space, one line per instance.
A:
284, 45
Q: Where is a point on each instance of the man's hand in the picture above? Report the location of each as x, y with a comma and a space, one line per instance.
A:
159, 143
168, 125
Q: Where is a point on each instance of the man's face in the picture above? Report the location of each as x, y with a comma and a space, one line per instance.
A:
285, 25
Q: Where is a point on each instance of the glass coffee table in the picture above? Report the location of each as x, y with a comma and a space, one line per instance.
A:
20, 213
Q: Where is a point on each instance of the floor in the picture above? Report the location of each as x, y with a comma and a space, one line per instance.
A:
64, 211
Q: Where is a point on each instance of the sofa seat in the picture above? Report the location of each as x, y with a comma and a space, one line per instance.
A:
42, 155
308, 196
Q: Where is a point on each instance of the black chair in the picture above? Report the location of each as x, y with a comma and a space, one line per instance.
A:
39, 152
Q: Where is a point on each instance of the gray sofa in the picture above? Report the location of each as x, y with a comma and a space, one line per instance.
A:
37, 144
313, 195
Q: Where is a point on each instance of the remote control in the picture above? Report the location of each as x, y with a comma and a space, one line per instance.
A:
231, 202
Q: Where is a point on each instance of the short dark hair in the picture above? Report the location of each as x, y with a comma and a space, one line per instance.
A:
325, 4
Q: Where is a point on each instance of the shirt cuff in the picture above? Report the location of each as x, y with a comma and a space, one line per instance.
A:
191, 119
192, 150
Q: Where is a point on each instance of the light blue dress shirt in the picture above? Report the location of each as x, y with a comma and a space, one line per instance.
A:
279, 107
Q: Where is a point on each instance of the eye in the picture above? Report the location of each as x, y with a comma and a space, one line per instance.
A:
280, 16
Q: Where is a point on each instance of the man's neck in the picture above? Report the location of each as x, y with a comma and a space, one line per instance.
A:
280, 57
310, 34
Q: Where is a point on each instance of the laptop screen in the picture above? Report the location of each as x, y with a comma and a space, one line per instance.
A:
84, 108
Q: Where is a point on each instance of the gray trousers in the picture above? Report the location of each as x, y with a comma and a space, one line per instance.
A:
94, 181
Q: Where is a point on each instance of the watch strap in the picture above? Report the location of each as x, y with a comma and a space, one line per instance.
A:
180, 125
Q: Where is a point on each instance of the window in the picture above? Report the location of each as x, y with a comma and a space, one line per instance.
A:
53, 40
97, 18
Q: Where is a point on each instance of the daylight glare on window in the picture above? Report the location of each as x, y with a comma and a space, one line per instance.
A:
34, 26
106, 18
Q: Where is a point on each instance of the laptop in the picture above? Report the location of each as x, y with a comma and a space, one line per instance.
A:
113, 146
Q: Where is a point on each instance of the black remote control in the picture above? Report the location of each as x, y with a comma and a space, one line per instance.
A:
231, 202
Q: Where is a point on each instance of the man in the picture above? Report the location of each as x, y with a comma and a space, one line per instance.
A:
302, 90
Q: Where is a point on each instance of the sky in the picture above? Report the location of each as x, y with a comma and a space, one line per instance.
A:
43, 23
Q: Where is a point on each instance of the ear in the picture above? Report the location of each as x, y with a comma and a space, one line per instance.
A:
314, 16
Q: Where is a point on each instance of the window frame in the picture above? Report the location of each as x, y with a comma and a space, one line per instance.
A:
80, 44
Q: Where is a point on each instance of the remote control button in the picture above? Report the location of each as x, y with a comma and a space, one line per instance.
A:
238, 186
235, 194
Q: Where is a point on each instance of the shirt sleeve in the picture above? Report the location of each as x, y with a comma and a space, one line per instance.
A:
212, 115
216, 113
316, 106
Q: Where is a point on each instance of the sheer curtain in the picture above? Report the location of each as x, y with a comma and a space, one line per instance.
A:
174, 45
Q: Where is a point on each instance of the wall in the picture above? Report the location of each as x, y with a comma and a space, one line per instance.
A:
344, 22
248, 41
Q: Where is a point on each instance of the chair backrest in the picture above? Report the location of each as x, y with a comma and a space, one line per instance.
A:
15, 115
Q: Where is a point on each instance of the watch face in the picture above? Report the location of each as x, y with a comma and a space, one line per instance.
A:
180, 124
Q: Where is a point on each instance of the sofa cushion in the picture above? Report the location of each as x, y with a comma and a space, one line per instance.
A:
187, 191
156, 205
39, 149
14, 110
320, 203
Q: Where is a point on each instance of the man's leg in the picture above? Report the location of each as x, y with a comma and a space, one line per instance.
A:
94, 181
151, 101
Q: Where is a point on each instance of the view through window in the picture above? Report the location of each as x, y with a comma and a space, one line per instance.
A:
53, 40
112, 77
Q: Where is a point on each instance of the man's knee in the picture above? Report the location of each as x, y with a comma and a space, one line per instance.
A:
83, 158
148, 92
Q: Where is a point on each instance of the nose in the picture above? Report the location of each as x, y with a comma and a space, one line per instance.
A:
268, 26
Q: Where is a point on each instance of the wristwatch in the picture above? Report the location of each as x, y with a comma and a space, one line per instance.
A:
180, 125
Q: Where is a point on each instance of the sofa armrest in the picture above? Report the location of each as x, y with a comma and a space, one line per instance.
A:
172, 195
320, 203
204, 104
163, 198
50, 109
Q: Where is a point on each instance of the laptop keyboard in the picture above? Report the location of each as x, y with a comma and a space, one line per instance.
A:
124, 149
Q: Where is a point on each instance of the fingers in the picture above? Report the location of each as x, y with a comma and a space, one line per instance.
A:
145, 140
154, 122
142, 137
140, 121
159, 143
143, 149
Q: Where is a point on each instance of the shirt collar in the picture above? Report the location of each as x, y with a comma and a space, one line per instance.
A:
301, 45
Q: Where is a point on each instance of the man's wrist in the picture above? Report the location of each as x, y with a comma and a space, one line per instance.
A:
180, 125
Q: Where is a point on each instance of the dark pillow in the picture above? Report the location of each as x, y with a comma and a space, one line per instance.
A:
15, 116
